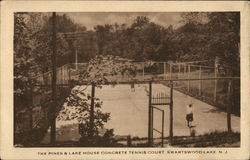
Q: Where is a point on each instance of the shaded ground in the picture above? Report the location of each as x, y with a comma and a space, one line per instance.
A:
129, 114
213, 139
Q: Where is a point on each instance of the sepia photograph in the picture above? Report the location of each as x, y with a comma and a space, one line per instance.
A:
127, 79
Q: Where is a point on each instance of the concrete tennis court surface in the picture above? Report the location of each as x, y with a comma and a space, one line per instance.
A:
129, 113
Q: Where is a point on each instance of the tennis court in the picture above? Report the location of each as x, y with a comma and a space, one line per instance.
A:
129, 113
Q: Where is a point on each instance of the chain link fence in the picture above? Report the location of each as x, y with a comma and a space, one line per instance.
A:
211, 91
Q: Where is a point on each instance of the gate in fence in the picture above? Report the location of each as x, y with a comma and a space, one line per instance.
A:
160, 99
162, 124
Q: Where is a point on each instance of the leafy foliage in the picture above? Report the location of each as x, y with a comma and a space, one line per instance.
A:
202, 36
209, 35
77, 106
105, 69
24, 63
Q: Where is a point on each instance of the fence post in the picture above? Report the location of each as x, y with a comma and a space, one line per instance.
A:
64, 74
76, 56
150, 114
61, 78
170, 70
129, 142
162, 130
179, 69
165, 74
215, 88
215, 76
171, 114
69, 74
92, 111
143, 72
200, 82
152, 125
184, 72
185, 67
188, 77
229, 106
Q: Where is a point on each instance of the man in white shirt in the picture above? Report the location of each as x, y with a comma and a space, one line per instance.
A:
189, 115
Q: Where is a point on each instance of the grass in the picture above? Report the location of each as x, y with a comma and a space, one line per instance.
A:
213, 139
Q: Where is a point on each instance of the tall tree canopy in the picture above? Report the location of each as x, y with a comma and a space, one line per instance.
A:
202, 36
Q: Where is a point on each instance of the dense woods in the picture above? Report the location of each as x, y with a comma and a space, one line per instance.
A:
202, 36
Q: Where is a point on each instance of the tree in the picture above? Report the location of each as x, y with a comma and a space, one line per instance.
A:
101, 70
87, 48
103, 34
206, 35
25, 68
140, 22
140, 41
169, 47
194, 18
65, 51
145, 37
224, 30
78, 107
25, 71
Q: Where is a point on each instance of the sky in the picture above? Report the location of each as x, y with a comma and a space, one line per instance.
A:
91, 19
